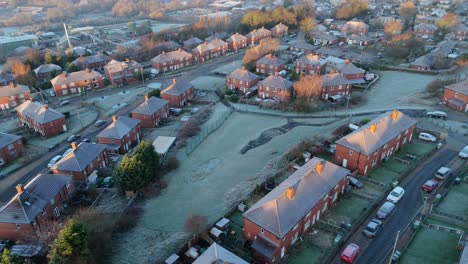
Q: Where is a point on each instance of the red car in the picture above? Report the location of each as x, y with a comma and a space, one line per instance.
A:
350, 253
430, 185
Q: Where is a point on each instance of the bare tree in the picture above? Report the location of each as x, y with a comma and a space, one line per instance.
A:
407, 9
194, 224
308, 87
265, 47
393, 28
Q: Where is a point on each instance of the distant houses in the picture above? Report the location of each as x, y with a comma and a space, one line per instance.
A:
123, 72
270, 64
242, 80
121, 135
12, 95
310, 64
41, 119
93, 62
209, 50
279, 30
77, 82
46, 72
456, 96
237, 41
256, 35
172, 61
151, 112
425, 30
275, 87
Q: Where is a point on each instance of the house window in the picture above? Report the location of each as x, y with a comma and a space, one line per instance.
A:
406, 132
18, 226
52, 201
262, 231
385, 146
11, 146
350, 152
296, 226
56, 212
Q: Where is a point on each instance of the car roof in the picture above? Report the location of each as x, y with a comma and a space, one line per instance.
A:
443, 169
350, 249
425, 133
398, 189
388, 205
431, 182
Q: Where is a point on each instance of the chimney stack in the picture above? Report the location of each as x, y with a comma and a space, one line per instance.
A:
290, 193
347, 61
46, 106
73, 145
276, 74
12, 84
174, 80
394, 114
146, 98
87, 70
319, 167
20, 188
373, 127
64, 74
114, 118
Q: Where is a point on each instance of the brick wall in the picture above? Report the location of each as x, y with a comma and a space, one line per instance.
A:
9, 155
179, 100
232, 84
7, 102
76, 86
149, 121
281, 94
125, 143
450, 94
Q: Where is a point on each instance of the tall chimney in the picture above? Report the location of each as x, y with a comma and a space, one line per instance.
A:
20, 188
46, 106
114, 118
174, 80
73, 145
290, 193
394, 114
373, 127
319, 167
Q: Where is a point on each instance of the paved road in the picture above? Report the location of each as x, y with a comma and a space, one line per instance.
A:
375, 251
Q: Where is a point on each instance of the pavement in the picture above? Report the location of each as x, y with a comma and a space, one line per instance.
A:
377, 250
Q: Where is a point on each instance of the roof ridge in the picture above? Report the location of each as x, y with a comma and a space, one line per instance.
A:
277, 216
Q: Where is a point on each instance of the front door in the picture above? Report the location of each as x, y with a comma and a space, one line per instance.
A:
345, 162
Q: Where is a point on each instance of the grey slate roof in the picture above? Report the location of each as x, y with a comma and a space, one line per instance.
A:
302, 45
243, 75
65, 78
311, 59
270, 59
279, 27
38, 112
278, 214
217, 35
179, 54
99, 58
216, 254
364, 141
236, 38
193, 41
258, 32
150, 106
325, 36
6, 77
177, 87
424, 60
48, 67
9, 90
333, 79
7, 139
276, 82
118, 66
461, 87
425, 26
350, 68
24, 207
78, 159
120, 128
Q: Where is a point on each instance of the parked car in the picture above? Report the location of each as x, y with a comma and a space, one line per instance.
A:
427, 137
54, 160
443, 173
355, 182
437, 114
463, 153
385, 210
372, 228
65, 102
395, 195
430, 185
99, 122
72, 138
350, 253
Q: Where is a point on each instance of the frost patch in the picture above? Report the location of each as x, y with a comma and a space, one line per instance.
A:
204, 169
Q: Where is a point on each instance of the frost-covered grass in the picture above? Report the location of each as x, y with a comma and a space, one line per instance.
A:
452, 202
111, 103
230, 67
384, 175
9, 124
348, 209
209, 83
214, 177
432, 247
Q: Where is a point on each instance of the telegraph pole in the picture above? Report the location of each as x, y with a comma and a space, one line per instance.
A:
394, 247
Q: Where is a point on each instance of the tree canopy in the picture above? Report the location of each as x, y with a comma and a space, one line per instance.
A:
71, 245
308, 87
351, 8
448, 21
8, 258
407, 9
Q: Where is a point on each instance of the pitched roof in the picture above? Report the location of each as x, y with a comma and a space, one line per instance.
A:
350, 68
276, 82
192, 41
243, 75
65, 78
325, 36
258, 32
48, 67
461, 87
354, 25
177, 87
364, 141
271, 59
302, 45
179, 54
120, 128
425, 26
150, 106
13, 89
278, 214
98, 58
424, 60
311, 59
236, 37
333, 79
208, 46
119, 66
42, 114
216, 254
78, 159
24, 207
7, 139
279, 27
6, 77
217, 35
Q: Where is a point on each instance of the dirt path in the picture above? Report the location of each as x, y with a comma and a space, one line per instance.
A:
269, 134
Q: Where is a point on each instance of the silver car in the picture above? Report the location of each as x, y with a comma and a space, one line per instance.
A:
372, 228
385, 210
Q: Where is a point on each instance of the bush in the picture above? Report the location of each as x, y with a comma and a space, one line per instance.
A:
234, 98
341, 130
104, 172
172, 164
155, 93
358, 99
228, 92
298, 151
436, 87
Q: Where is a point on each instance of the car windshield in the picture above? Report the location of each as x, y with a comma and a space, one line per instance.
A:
430, 183
395, 193
370, 228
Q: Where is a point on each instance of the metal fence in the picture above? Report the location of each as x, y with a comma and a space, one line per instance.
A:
194, 141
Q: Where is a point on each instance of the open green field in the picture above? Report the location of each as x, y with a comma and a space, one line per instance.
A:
432, 247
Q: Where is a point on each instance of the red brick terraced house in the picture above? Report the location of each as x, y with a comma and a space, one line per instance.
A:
77, 82
6, 78
178, 93
42, 119
424, 30
335, 84
456, 96
46, 72
29, 214
218, 35
324, 39
370, 144
82, 161
237, 41
12, 95
355, 27
121, 135
275, 87
191, 43
310, 64
123, 72
256, 35
172, 60
11, 147
360, 40
151, 111
302, 47
279, 30
423, 63
351, 72
93, 62
208, 50
217, 254
270, 65
460, 32
242, 80
279, 219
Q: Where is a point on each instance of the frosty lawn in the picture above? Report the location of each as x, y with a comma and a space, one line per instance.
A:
432, 247
455, 201
347, 210
209, 83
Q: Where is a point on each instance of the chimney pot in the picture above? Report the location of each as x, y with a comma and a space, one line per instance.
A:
20, 188
146, 97
174, 80
114, 118
290, 193
74, 145
347, 61
319, 167
46, 106
373, 127
394, 114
